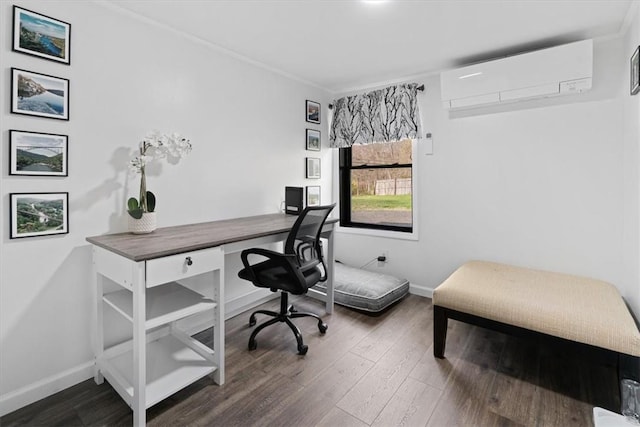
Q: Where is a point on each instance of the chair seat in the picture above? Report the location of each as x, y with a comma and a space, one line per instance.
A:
270, 274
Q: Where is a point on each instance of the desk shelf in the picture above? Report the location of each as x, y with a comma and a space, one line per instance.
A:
170, 366
164, 304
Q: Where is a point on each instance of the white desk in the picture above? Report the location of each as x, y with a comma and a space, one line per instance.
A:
156, 364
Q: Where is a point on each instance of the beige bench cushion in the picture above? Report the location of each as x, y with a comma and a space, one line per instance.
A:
575, 308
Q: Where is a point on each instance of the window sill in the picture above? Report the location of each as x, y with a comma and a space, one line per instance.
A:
379, 233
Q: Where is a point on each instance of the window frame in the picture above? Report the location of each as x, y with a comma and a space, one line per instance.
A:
345, 167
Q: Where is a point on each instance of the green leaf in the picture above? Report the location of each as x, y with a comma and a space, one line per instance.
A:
151, 201
134, 208
136, 213
132, 204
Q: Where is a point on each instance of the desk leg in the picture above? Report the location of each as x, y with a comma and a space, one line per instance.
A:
218, 325
330, 263
138, 404
98, 332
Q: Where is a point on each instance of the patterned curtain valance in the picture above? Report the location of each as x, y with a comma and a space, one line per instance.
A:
384, 115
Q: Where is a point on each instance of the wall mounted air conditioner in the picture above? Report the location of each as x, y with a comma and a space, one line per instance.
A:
559, 70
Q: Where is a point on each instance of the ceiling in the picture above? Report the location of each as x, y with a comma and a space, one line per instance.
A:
343, 45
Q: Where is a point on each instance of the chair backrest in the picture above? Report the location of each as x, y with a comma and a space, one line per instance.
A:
304, 237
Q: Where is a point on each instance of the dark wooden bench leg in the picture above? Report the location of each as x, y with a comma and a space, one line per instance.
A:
628, 367
439, 331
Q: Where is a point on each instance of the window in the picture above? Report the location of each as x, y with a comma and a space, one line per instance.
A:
376, 186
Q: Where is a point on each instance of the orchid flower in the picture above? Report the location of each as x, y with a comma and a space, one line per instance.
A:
154, 146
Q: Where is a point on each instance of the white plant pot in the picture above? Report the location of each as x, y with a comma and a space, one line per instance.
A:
144, 225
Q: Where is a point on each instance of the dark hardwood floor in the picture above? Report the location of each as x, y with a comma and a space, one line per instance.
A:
366, 371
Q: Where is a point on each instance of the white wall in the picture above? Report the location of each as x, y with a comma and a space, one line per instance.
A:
631, 168
129, 76
539, 184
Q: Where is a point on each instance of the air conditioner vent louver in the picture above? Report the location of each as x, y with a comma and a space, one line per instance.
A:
559, 70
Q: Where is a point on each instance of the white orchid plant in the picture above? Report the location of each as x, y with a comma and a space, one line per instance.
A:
154, 146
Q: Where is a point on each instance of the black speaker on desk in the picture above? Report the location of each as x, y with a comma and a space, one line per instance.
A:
293, 200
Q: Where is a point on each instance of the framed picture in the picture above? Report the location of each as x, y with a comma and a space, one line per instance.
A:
40, 35
37, 154
313, 195
313, 140
39, 214
313, 112
313, 167
39, 95
635, 72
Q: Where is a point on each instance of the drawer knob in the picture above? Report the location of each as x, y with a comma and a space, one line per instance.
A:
189, 260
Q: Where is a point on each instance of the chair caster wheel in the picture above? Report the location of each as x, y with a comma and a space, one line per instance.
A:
323, 328
252, 321
302, 350
252, 345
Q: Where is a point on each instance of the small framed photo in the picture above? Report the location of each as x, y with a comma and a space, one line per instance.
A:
39, 95
37, 154
635, 72
40, 35
313, 167
313, 112
313, 140
39, 214
313, 195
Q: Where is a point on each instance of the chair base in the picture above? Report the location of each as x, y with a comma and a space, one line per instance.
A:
287, 312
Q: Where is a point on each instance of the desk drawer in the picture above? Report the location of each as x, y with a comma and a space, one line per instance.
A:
176, 267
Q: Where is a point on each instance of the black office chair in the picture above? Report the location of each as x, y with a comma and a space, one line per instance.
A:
296, 270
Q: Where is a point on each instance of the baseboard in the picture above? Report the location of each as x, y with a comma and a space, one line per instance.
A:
30, 393
420, 290
232, 307
245, 302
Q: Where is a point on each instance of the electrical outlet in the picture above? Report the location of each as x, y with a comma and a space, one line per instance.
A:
382, 258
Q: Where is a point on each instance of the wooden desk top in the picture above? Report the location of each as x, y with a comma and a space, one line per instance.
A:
184, 238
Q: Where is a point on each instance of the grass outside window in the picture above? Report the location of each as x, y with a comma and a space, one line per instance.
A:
400, 202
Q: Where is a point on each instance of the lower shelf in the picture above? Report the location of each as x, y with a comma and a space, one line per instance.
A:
170, 366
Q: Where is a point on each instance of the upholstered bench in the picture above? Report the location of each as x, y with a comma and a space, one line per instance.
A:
519, 300
365, 290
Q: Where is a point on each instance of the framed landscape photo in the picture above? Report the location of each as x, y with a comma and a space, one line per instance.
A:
313, 167
39, 35
313, 112
39, 95
635, 72
39, 214
313, 140
313, 195
37, 154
